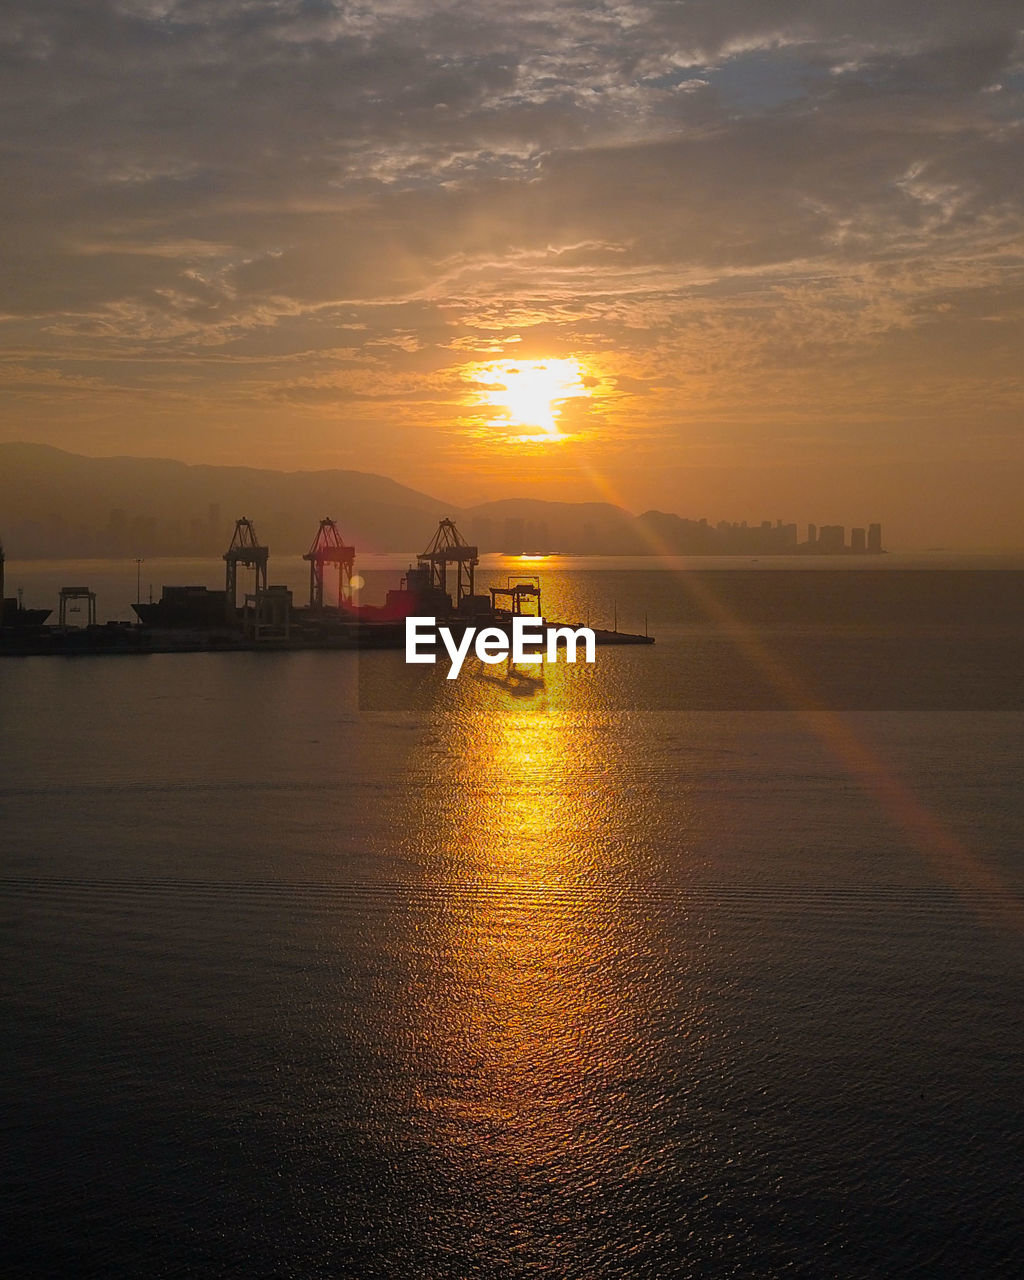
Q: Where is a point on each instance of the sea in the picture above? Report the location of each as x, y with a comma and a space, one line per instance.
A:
702, 961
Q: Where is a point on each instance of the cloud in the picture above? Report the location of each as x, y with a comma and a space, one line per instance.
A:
686, 190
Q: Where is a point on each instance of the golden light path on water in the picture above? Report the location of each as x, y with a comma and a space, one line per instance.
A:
531, 1013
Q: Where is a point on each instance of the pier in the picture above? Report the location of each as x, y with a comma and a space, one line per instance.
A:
195, 619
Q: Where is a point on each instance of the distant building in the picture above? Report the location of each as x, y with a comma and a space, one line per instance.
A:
875, 539
858, 541
812, 535
484, 533
116, 540
832, 538
514, 536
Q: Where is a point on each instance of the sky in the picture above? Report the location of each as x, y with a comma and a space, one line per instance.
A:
731, 258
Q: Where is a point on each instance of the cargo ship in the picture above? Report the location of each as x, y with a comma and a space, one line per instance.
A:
14, 614
12, 611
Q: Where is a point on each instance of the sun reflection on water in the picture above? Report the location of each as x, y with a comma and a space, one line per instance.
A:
529, 1012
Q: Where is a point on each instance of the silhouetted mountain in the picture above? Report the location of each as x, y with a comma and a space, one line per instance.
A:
59, 504
55, 503
532, 525
62, 504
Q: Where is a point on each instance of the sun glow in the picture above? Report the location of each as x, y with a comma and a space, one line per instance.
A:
531, 393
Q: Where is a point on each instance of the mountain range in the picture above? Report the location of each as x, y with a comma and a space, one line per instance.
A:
63, 505
59, 504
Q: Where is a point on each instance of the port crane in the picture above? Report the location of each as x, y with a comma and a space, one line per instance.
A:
244, 550
519, 589
328, 548
450, 548
74, 594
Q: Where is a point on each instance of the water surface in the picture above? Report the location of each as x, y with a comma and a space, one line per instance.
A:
528, 980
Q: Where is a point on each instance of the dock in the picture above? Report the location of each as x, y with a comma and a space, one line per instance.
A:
195, 619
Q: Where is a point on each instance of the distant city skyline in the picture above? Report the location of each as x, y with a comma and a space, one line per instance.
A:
126, 533
733, 258
56, 504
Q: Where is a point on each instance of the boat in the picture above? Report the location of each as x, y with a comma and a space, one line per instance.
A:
14, 614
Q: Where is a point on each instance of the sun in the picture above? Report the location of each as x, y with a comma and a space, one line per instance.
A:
531, 393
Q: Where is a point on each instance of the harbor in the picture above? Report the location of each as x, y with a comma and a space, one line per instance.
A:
253, 613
